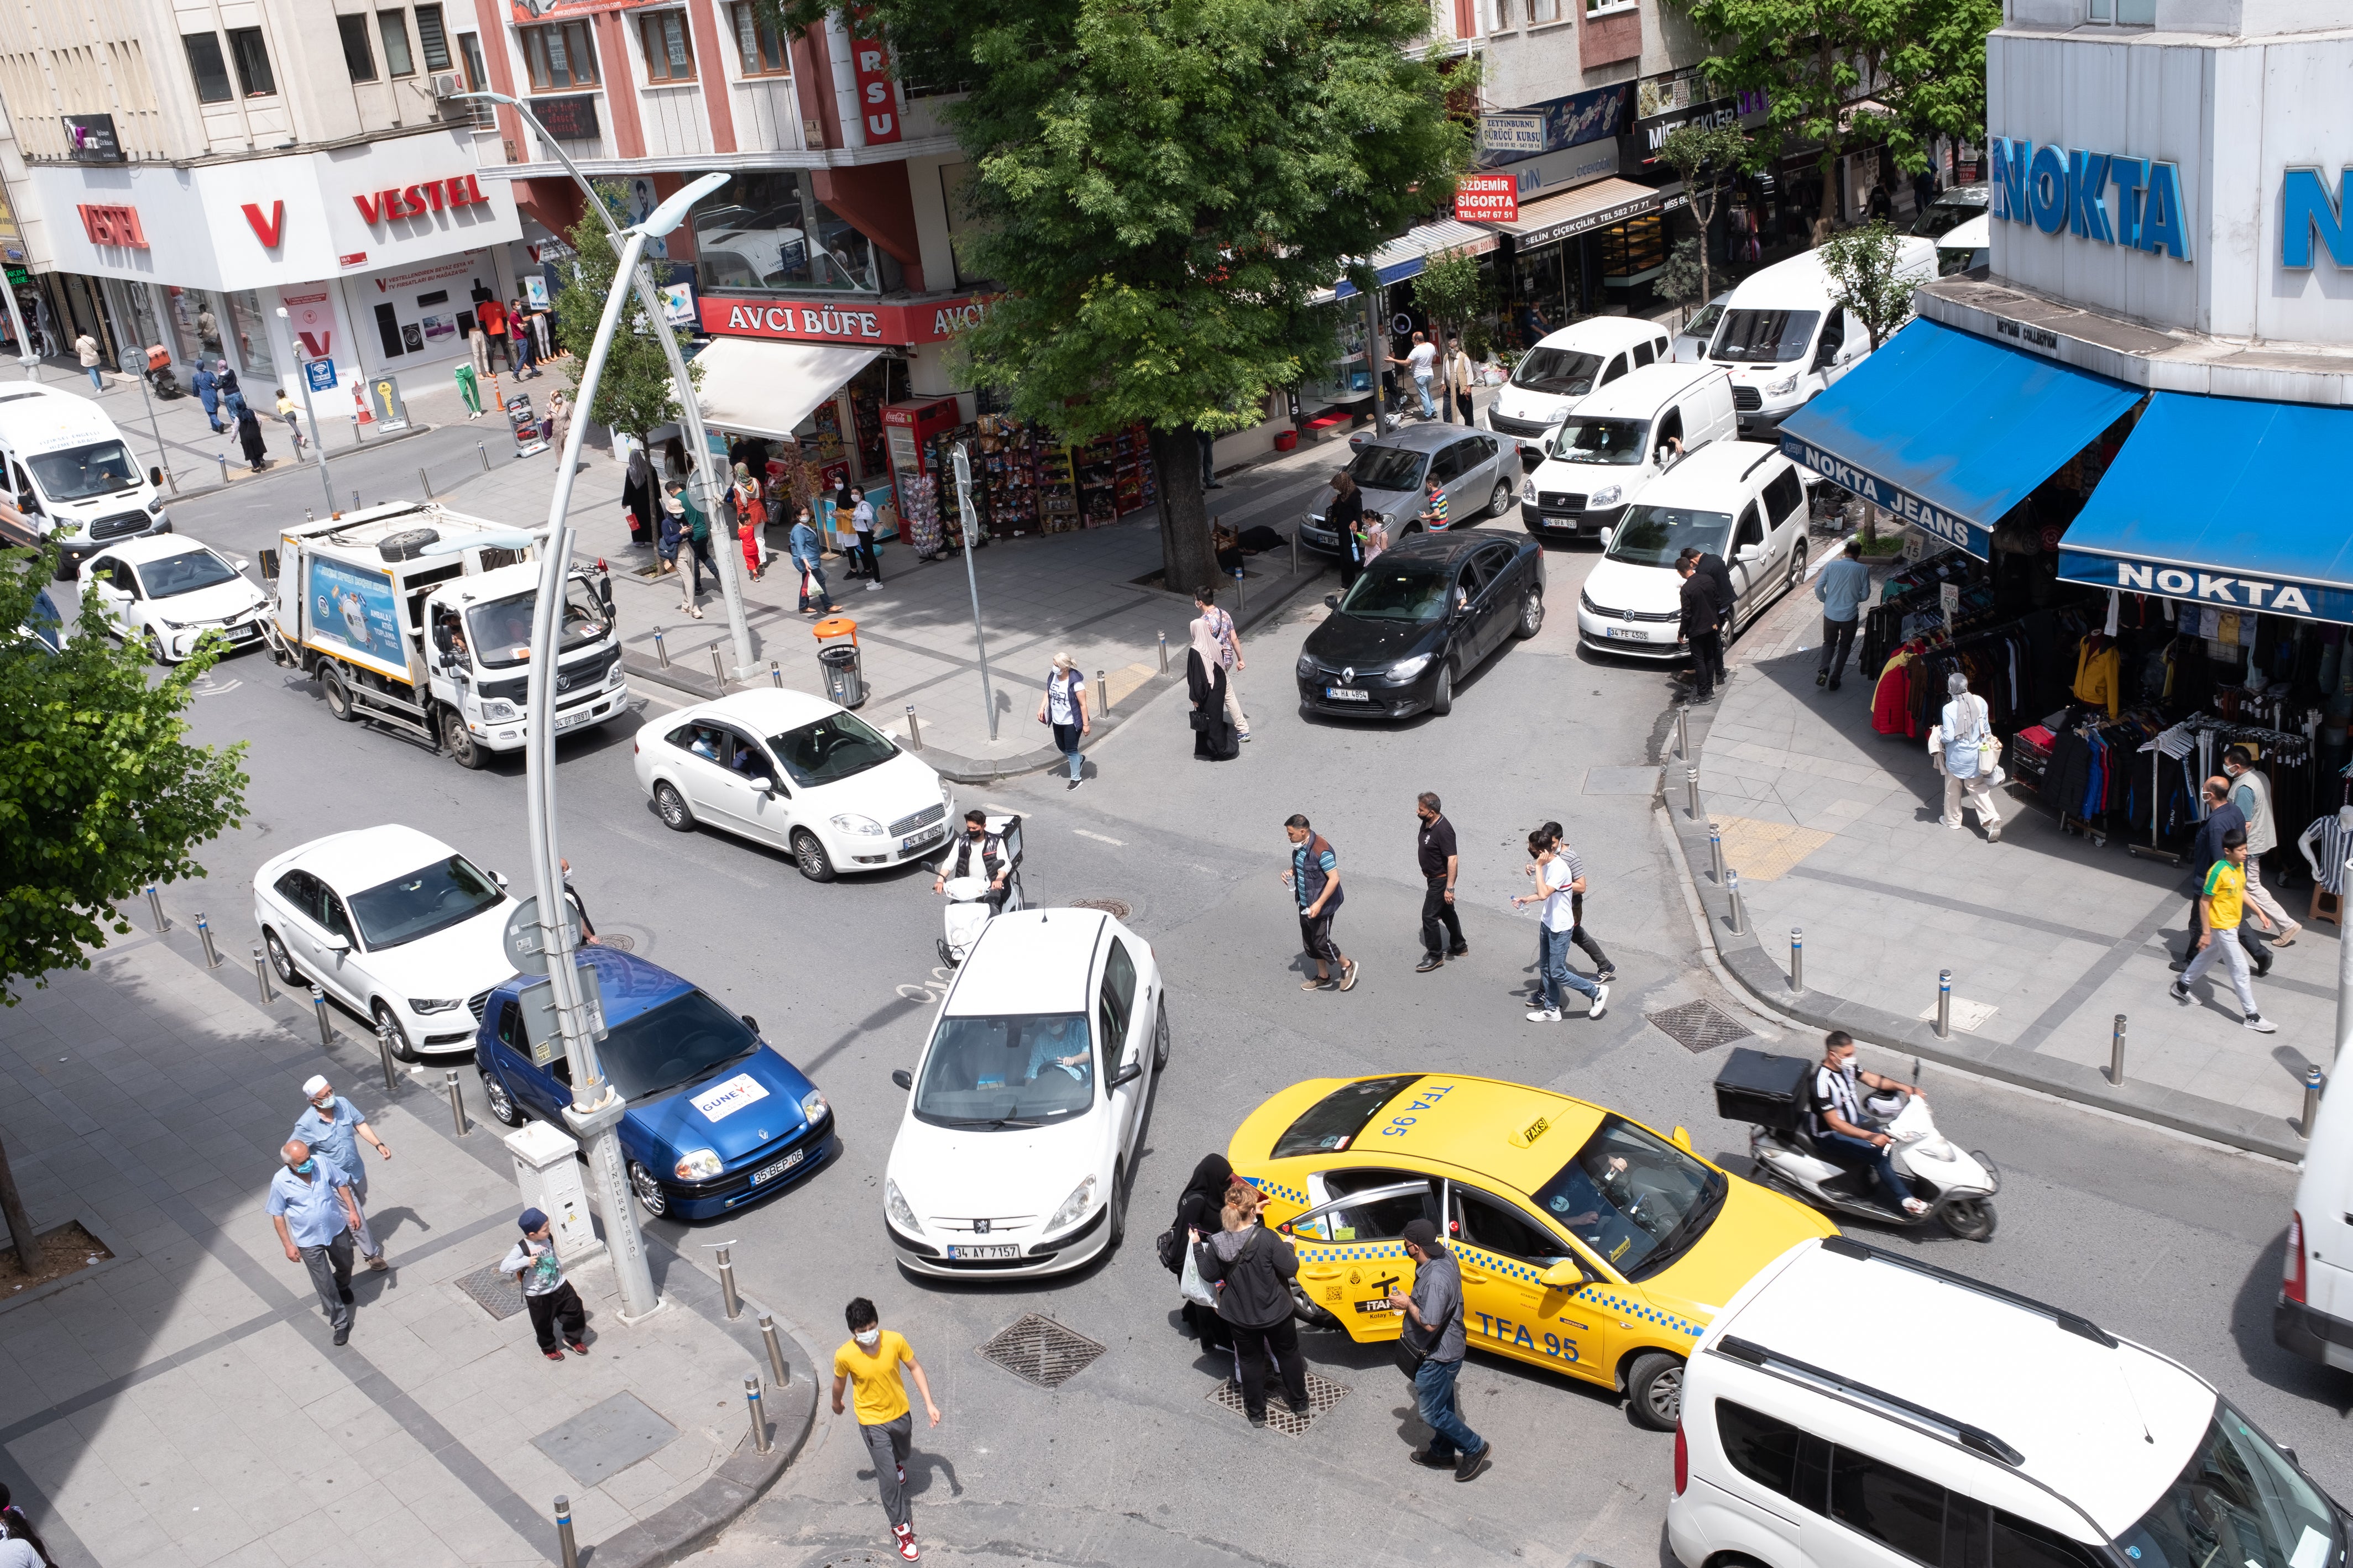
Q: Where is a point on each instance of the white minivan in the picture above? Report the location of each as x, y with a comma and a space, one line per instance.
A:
1784, 338
1854, 1408
2314, 1314
1618, 441
71, 475
1740, 500
1565, 366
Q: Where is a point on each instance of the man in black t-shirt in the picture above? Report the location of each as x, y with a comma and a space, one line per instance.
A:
1440, 864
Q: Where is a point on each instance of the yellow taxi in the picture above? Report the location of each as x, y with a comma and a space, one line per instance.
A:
1588, 1244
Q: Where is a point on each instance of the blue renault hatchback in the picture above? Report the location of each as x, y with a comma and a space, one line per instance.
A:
717, 1120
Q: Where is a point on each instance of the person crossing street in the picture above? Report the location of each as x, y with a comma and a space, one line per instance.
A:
870, 1359
1553, 890
1441, 862
1315, 881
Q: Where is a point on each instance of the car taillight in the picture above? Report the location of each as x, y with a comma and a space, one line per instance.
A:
2292, 1266
1682, 1461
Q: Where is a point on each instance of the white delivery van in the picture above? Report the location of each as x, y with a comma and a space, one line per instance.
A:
435, 646
1854, 1408
1784, 338
1618, 441
1568, 365
1966, 250
2314, 1314
70, 475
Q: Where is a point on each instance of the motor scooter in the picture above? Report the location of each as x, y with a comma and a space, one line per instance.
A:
968, 910
1772, 1093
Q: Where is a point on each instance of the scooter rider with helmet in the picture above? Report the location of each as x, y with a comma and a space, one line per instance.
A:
990, 849
1842, 1134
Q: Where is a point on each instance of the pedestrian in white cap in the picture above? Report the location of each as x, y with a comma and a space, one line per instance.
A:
333, 1127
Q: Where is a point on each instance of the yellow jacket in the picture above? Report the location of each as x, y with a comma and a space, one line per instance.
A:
2099, 677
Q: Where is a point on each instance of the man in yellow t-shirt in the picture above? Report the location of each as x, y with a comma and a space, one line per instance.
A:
2222, 902
871, 1360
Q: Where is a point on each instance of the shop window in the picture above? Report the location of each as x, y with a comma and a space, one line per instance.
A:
561, 57
392, 26
359, 56
769, 230
255, 356
432, 39
762, 52
252, 57
211, 71
670, 55
195, 315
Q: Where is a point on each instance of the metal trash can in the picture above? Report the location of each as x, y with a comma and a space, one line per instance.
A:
844, 681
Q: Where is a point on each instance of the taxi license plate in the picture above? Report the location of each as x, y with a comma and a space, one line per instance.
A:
1626, 633
1006, 1251
1346, 694
925, 836
779, 1168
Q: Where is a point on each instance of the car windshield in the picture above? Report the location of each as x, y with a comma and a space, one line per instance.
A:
2239, 1503
1945, 214
100, 468
1656, 535
1704, 324
432, 897
184, 573
1765, 337
1634, 1198
675, 1046
1389, 469
1022, 1069
1406, 591
1557, 371
501, 630
1600, 441
833, 748
1332, 1123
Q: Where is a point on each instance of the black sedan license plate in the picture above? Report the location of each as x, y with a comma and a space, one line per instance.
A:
1346, 694
1006, 1251
779, 1168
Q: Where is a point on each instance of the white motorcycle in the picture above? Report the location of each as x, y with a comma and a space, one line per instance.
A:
968, 910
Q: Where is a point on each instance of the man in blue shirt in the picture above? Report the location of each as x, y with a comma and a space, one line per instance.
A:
310, 1204
1842, 587
1314, 881
333, 1126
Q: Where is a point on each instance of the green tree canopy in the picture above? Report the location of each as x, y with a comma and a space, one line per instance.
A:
635, 395
1861, 264
1704, 156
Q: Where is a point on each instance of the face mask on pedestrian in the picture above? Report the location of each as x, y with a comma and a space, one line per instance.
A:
306, 1167
869, 1338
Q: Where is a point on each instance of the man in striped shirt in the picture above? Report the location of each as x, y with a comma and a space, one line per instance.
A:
1433, 509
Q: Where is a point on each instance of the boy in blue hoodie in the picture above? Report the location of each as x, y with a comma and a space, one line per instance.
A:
546, 1294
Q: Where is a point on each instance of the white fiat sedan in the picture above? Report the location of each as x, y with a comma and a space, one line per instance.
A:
796, 771
167, 591
395, 924
1026, 1111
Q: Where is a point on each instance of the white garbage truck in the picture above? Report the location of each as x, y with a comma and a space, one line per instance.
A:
405, 625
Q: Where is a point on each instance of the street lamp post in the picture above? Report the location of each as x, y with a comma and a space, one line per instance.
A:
964, 508
134, 366
709, 487
318, 436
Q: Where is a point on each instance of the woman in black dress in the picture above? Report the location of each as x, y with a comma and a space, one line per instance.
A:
1196, 1210
248, 436
1214, 738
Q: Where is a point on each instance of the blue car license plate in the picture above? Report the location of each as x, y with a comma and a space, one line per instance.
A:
779, 1168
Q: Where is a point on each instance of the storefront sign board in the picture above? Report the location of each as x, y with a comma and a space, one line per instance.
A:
2313, 601
870, 64
568, 119
1513, 135
93, 138
1924, 515
1486, 198
840, 319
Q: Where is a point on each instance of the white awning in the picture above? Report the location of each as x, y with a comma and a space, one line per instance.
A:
1601, 205
1406, 256
760, 387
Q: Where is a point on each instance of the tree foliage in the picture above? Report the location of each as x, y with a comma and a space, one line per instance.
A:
1684, 276
1861, 264
100, 792
1450, 289
635, 393
1704, 156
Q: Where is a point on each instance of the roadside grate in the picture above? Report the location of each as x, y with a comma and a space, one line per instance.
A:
1321, 1395
496, 1293
1697, 1026
1040, 1351
1117, 909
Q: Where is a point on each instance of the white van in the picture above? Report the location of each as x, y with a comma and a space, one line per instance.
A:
1619, 440
1740, 500
1564, 366
2314, 1314
1853, 1408
71, 475
1784, 340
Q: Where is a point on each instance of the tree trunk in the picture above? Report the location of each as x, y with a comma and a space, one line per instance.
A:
1187, 558
20, 1224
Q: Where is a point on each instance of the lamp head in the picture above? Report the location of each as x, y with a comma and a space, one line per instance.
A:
672, 212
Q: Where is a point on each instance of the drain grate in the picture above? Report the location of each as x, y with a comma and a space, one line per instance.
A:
1697, 1026
1117, 909
1040, 1351
497, 1293
1321, 1395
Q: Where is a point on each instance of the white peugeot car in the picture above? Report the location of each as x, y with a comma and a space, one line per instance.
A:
796, 772
166, 592
394, 923
1026, 1111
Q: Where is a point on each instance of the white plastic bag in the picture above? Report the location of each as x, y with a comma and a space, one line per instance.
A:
1191, 1285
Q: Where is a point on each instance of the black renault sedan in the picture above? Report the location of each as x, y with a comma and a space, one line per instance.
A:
1418, 619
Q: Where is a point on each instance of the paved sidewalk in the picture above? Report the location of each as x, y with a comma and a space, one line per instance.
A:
183, 1404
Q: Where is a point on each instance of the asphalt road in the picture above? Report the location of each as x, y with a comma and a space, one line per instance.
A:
2154, 1236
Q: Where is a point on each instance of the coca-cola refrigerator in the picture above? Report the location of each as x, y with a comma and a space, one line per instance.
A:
910, 426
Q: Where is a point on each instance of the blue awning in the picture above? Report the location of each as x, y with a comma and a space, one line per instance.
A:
1950, 431
2228, 502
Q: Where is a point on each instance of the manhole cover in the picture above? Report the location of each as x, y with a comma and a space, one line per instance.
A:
617, 942
606, 1439
1321, 1395
1042, 1350
1115, 908
1699, 1028
497, 1292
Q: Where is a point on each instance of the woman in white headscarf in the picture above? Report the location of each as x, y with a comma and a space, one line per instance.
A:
1968, 751
1214, 739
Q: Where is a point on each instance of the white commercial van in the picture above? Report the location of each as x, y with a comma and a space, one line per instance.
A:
1565, 366
1784, 338
1618, 441
70, 477
1853, 1408
2314, 1314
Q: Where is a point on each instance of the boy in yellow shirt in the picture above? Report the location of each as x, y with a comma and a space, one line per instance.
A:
870, 1359
2222, 905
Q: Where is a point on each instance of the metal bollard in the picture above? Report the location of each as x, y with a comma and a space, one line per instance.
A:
1682, 732
326, 1025
776, 1362
1797, 958
1715, 851
1164, 653
222, 459
424, 485
1103, 694
155, 908
383, 1054
718, 670
1240, 603
759, 1417
2117, 1054
356, 500
2312, 1084
662, 649
1691, 793
261, 976
457, 1102
1732, 886
776, 675
566, 1548
486, 456
727, 1286
1295, 550
914, 731
205, 935
1943, 1004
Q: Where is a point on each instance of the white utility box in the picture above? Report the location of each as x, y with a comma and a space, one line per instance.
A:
547, 1170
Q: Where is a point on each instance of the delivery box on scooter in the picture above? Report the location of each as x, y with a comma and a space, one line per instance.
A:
1763, 1087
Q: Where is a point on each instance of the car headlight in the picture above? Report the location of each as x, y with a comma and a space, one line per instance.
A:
1528, 491
496, 709
1783, 388
436, 1003
813, 1109
697, 1165
1606, 496
849, 822
1074, 1206
176, 625
895, 1204
156, 507
1305, 668
1405, 669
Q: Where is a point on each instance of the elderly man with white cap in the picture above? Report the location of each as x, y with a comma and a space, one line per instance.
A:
334, 1127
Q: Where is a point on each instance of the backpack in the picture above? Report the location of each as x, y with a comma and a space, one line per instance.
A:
1170, 1247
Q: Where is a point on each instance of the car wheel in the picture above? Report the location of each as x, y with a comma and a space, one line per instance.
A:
811, 857
1441, 700
503, 1110
1654, 1391
650, 1196
1797, 566
1532, 614
156, 653
386, 1020
1500, 502
1160, 1039
1972, 1219
338, 694
1118, 1210
280, 960
672, 807
459, 740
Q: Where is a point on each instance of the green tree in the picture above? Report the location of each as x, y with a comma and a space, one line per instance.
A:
1704, 156
1161, 187
635, 395
1450, 289
1684, 276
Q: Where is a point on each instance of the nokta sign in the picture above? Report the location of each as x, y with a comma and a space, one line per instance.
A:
1924, 515
1487, 198
2306, 208
2314, 601
415, 201
840, 321
2055, 188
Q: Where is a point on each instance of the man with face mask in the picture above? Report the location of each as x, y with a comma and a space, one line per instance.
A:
333, 1127
872, 1360
310, 1204
1842, 1134
979, 853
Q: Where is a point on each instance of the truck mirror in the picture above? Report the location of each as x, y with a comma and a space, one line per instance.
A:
605, 590
155, 478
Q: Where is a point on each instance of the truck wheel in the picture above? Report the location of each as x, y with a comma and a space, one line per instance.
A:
459, 740
338, 694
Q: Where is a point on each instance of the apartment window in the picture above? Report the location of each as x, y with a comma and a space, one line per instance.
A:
211, 71
1607, 8
561, 55
757, 43
392, 26
2131, 13
669, 54
431, 39
477, 77
359, 58
1543, 11
252, 57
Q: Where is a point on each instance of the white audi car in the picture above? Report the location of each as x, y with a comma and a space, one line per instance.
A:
1026, 1111
166, 592
796, 771
394, 923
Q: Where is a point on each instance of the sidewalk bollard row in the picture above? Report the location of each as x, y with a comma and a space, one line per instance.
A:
261, 976
759, 1416
1943, 1004
2312, 1086
155, 908
914, 731
662, 649
205, 935
776, 1362
2117, 1054
567, 1549
727, 1286
355, 500
383, 1052
1239, 605
1715, 851
457, 1102
1732, 886
326, 1025
1797, 959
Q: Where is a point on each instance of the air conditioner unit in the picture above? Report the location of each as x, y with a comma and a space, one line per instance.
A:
447, 84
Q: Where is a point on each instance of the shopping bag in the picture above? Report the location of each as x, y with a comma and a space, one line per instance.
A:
1190, 1284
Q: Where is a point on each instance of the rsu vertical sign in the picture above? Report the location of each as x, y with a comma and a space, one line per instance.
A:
869, 62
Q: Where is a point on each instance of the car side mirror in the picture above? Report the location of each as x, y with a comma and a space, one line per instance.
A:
1331, 601
500, 877
764, 785
750, 1022
1128, 1073
339, 944
1562, 1275
1607, 535
1681, 1140
902, 1078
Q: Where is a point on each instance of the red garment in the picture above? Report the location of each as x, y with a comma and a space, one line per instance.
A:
1891, 700
493, 317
